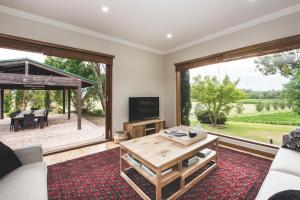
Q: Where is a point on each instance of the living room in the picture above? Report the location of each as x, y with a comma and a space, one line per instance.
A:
144, 45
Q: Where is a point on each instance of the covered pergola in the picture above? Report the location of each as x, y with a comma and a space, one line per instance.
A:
27, 74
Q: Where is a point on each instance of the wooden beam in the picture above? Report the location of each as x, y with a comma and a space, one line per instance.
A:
178, 98
1, 103
33, 80
64, 100
69, 103
79, 107
271, 47
19, 43
108, 104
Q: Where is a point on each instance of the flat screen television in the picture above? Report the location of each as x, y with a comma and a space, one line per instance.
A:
143, 108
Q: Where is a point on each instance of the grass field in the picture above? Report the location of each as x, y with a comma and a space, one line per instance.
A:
251, 131
254, 101
282, 118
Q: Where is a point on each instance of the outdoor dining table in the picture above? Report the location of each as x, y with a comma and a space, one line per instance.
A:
38, 114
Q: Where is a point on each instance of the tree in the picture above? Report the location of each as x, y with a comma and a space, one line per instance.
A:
186, 104
259, 106
286, 63
268, 106
89, 70
215, 95
239, 108
8, 98
99, 71
47, 101
275, 104
292, 92
282, 104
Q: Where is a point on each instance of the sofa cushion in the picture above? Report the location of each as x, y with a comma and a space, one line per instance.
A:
28, 182
8, 159
287, 161
294, 141
286, 195
276, 182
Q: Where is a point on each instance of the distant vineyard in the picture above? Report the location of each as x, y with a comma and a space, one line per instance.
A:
254, 101
282, 118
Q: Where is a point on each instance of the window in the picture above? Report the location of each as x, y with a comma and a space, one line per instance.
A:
256, 98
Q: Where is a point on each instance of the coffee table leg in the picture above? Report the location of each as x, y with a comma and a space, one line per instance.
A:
122, 162
158, 184
216, 147
182, 180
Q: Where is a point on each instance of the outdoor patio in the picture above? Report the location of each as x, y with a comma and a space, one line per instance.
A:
61, 133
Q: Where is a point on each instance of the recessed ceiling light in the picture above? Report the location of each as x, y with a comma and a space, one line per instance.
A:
251, 1
169, 35
105, 9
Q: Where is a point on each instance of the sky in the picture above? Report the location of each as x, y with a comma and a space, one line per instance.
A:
245, 70
6, 54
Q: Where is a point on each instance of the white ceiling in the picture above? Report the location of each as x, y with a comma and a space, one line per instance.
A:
145, 23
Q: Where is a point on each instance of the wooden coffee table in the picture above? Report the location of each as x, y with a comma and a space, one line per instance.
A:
159, 154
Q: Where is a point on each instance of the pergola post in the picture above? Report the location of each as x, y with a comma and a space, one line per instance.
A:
69, 103
2, 103
26, 67
79, 106
64, 100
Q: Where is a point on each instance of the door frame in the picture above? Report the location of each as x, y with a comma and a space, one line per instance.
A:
50, 49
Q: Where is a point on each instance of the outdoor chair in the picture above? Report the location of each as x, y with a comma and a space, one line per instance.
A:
29, 121
12, 121
46, 117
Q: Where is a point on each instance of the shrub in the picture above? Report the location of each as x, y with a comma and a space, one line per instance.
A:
289, 104
99, 112
275, 105
203, 117
57, 109
259, 106
239, 108
96, 112
282, 104
268, 106
296, 107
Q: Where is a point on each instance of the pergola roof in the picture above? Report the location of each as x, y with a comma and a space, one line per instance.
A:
29, 74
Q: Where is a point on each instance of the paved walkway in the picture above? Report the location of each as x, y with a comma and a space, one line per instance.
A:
60, 133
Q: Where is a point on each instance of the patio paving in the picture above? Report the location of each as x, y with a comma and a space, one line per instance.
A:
61, 133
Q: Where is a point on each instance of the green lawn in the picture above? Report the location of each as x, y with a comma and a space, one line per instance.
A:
282, 118
252, 131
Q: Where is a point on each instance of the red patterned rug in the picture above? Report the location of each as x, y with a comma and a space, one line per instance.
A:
238, 176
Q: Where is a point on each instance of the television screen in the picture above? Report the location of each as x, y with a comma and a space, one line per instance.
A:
143, 108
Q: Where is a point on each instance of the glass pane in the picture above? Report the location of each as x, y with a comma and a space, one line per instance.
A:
58, 131
256, 98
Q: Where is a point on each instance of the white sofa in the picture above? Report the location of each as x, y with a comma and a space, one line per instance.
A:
28, 182
284, 174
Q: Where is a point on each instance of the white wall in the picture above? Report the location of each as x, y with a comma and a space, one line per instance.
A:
135, 72
139, 73
283, 27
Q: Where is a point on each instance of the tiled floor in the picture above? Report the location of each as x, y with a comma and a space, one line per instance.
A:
72, 154
60, 133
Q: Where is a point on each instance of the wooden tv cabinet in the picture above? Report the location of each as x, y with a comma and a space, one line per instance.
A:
143, 128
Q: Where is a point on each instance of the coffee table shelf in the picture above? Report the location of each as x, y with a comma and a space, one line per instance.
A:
187, 171
158, 154
165, 179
